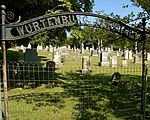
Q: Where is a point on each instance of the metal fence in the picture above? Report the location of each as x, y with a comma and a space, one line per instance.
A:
63, 92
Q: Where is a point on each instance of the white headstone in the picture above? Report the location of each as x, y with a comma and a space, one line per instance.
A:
148, 56
57, 57
124, 63
94, 53
127, 54
130, 55
29, 46
23, 48
46, 48
118, 54
82, 48
86, 64
104, 59
114, 61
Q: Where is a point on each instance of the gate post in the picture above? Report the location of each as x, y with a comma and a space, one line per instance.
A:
143, 89
4, 72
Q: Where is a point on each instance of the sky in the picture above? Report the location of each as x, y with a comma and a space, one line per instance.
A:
115, 6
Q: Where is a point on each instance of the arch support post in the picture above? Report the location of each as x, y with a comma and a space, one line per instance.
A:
144, 72
4, 70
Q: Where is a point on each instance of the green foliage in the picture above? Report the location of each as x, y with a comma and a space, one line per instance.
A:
145, 4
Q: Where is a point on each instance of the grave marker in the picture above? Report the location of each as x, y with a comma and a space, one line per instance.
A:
31, 55
86, 64
104, 59
114, 61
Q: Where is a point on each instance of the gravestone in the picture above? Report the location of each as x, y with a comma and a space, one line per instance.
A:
124, 63
68, 48
87, 49
75, 49
137, 58
31, 55
40, 47
94, 53
130, 55
82, 48
50, 48
29, 46
118, 54
126, 54
57, 57
86, 64
148, 56
64, 51
104, 59
46, 48
114, 61
109, 49
23, 48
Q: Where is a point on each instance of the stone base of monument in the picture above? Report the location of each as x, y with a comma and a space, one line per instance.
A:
102, 64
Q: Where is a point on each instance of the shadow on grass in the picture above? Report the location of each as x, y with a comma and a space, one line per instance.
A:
100, 100
97, 98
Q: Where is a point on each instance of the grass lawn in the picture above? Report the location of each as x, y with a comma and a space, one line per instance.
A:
76, 96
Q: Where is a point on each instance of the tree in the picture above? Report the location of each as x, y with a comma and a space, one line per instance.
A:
28, 9
33, 8
144, 4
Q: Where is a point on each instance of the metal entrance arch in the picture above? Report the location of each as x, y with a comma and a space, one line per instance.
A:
16, 31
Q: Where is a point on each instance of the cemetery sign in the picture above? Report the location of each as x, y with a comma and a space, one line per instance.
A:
15, 31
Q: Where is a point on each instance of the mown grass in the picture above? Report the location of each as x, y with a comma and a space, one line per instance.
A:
73, 95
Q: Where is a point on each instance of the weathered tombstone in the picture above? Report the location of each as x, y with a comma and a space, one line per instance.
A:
94, 53
148, 56
64, 51
91, 50
50, 48
31, 55
82, 48
23, 48
114, 61
130, 55
29, 46
75, 49
37, 48
57, 57
137, 58
109, 49
46, 48
118, 54
124, 63
41, 47
86, 64
104, 59
87, 49
127, 54
69, 48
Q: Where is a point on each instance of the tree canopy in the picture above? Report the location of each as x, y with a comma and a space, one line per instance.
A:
33, 8
144, 4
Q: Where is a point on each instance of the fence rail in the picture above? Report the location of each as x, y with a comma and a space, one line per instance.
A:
36, 92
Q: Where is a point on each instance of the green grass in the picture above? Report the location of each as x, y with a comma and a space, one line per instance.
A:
76, 96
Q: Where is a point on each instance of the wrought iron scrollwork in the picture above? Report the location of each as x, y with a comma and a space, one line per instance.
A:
10, 16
